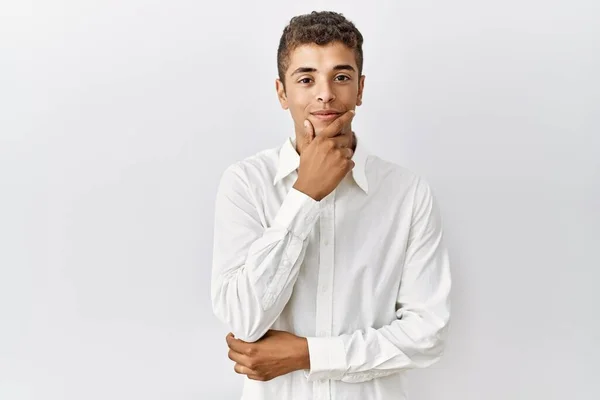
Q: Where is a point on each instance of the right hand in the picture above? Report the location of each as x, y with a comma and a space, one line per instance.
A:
323, 164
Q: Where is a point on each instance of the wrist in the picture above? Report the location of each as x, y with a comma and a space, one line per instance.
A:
302, 355
301, 188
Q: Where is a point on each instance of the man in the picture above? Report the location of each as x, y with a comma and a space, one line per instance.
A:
329, 266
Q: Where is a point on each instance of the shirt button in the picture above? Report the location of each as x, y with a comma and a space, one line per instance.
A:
326, 242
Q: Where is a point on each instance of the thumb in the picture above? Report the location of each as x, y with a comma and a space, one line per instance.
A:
309, 132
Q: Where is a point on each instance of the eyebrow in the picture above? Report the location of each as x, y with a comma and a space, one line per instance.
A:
303, 70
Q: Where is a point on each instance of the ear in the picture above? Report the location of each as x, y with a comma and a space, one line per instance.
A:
361, 86
281, 95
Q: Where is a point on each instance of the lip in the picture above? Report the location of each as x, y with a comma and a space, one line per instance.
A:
326, 115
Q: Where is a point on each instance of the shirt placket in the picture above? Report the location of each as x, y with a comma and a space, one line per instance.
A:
324, 317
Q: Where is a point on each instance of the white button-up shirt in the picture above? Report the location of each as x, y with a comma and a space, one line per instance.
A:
363, 273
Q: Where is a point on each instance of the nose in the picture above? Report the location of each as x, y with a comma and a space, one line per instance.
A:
325, 93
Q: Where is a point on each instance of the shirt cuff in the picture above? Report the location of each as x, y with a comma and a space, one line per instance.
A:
298, 213
327, 358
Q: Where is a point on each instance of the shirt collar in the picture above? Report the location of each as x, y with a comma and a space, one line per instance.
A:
289, 161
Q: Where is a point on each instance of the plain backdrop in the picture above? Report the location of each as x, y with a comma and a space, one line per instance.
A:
117, 119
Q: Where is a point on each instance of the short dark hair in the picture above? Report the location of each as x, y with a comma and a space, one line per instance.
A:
321, 28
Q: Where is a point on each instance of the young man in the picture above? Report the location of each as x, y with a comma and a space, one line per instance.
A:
329, 266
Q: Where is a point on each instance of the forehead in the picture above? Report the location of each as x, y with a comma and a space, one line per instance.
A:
321, 57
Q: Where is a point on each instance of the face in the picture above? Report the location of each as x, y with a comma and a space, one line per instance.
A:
320, 78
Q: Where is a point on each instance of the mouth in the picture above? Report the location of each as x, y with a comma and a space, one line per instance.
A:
326, 116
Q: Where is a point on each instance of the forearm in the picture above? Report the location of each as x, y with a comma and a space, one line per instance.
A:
250, 288
250, 298
408, 343
416, 338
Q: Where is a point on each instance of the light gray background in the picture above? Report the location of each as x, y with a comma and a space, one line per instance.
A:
118, 117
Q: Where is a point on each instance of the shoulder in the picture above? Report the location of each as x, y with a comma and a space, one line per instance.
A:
253, 169
412, 190
391, 174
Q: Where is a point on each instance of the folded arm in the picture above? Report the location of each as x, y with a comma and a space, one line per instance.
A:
255, 266
416, 338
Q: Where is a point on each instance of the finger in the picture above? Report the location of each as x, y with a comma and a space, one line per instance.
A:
239, 358
236, 344
338, 125
345, 140
229, 338
309, 131
240, 369
309, 135
347, 153
256, 378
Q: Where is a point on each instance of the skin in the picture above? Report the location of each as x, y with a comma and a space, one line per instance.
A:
325, 149
325, 88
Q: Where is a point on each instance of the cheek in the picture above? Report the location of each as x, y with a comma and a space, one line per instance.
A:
298, 112
349, 95
298, 95
298, 106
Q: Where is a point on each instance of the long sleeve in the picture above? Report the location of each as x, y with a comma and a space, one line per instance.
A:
416, 338
255, 266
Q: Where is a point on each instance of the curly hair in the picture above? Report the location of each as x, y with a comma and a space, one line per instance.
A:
321, 28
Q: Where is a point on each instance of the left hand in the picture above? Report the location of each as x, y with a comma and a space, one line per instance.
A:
276, 353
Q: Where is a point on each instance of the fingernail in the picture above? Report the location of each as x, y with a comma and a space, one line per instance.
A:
353, 112
306, 123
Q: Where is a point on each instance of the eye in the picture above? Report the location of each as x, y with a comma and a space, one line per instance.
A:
303, 79
347, 78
